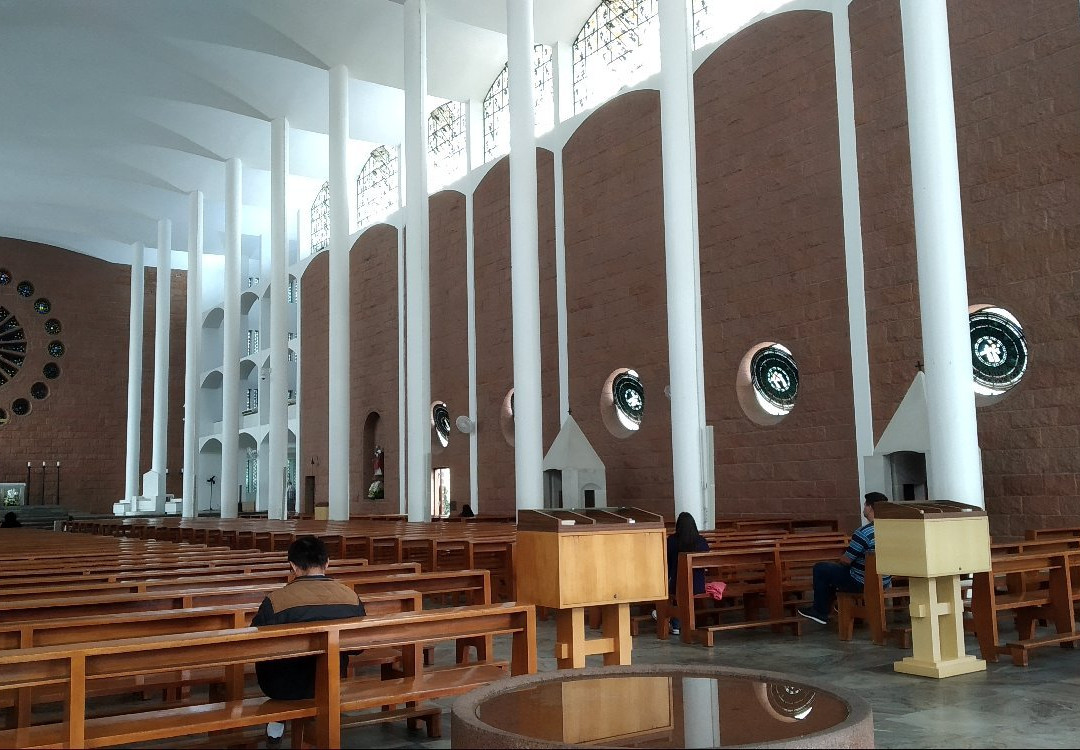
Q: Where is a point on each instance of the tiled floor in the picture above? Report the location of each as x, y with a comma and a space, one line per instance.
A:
1006, 706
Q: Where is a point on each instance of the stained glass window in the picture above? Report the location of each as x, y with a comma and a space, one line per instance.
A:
3, 417
53, 327
775, 378
629, 398
42, 306
999, 354
39, 390
497, 103
617, 46
440, 422
56, 349
715, 19
20, 407
25, 289
447, 139
12, 346
5, 277
320, 220
377, 186
51, 371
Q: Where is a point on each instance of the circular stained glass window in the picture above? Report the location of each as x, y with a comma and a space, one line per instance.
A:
629, 397
3, 416
20, 407
12, 346
25, 289
56, 348
5, 276
51, 371
53, 327
39, 390
775, 378
43, 306
999, 354
440, 421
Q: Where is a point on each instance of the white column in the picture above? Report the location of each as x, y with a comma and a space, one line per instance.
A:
230, 327
470, 293
681, 261
278, 383
158, 462
403, 502
524, 261
954, 468
338, 468
417, 293
853, 249
192, 346
135, 361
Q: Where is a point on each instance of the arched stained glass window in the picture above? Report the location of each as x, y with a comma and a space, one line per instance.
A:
377, 186
497, 104
320, 220
618, 45
446, 145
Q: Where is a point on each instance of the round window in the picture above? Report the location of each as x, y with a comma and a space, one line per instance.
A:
25, 289
5, 277
20, 407
39, 390
440, 422
999, 353
3, 416
767, 384
51, 371
56, 348
622, 402
42, 306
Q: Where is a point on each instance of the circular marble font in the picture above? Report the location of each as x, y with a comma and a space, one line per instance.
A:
660, 706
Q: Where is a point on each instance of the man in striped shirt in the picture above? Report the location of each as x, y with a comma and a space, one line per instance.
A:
849, 572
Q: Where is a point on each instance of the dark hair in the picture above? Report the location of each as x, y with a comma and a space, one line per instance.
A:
686, 533
875, 497
467, 511
10, 516
307, 552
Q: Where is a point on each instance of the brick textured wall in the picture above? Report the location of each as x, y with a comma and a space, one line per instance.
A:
494, 325
449, 333
374, 332
615, 289
772, 265
83, 421
314, 386
1017, 95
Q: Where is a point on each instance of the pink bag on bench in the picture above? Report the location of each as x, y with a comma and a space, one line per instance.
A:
715, 589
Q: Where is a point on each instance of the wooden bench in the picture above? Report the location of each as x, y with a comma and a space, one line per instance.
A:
873, 605
72, 667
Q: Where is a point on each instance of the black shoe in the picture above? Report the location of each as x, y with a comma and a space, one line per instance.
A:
809, 615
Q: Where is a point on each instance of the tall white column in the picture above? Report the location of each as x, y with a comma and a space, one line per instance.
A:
470, 294
681, 262
135, 360
417, 293
158, 462
230, 369
192, 345
278, 382
338, 468
954, 468
524, 261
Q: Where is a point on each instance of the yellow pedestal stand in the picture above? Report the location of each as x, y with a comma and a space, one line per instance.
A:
933, 544
590, 557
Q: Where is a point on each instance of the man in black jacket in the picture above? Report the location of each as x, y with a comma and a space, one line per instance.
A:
311, 596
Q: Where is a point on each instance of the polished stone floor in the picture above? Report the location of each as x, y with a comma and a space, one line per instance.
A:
1006, 706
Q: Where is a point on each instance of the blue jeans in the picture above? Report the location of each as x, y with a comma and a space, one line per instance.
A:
830, 577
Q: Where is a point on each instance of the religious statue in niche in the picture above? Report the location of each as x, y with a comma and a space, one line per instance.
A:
375, 491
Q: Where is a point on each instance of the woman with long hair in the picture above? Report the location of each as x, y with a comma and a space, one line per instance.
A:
686, 538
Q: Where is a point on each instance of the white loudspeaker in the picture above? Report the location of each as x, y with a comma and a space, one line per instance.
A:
464, 424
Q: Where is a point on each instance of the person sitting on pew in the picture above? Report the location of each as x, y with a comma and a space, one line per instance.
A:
467, 511
311, 596
849, 572
11, 521
686, 538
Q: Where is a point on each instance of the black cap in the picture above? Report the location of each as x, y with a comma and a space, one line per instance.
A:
875, 497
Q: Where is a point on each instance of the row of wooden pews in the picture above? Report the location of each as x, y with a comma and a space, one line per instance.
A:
86, 637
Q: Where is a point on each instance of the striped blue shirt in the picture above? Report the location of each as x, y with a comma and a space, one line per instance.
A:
862, 542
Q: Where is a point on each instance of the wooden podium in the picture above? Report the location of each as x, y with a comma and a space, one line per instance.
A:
607, 557
933, 544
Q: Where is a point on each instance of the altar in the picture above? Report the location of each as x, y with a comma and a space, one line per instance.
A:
15, 490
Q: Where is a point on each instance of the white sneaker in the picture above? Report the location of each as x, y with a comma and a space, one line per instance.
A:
653, 613
676, 631
275, 730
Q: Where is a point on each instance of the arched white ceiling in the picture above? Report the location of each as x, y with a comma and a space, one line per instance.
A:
113, 110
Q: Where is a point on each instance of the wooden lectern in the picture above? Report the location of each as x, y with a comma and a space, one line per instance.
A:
572, 559
933, 544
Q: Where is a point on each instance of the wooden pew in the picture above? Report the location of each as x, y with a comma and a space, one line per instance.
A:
72, 667
873, 604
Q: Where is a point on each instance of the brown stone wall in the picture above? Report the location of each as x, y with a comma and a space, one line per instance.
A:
1017, 95
83, 421
314, 385
494, 325
615, 289
449, 333
374, 332
772, 265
